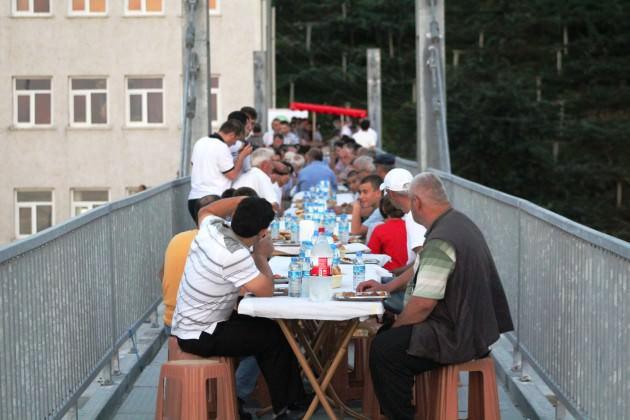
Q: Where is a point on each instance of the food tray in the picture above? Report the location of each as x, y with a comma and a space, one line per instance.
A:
361, 296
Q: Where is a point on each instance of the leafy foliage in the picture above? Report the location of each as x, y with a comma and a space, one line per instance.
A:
529, 112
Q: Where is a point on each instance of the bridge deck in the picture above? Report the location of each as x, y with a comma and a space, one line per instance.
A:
139, 403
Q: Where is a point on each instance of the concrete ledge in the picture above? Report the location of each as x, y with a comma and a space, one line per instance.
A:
101, 401
532, 397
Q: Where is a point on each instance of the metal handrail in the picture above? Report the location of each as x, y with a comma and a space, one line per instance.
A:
569, 292
73, 294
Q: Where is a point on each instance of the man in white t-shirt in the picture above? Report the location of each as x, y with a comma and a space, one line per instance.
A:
366, 136
258, 177
219, 264
213, 168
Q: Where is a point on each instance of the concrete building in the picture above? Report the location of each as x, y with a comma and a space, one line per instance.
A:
91, 94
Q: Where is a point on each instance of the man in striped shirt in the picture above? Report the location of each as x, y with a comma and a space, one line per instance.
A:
218, 265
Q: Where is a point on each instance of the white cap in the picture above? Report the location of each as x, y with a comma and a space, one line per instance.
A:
397, 179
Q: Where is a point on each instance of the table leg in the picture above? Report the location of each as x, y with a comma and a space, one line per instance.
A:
307, 370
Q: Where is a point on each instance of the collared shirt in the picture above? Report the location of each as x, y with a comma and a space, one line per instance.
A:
217, 266
415, 236
366, 138
313, 173
259, 182
211, 160
436, 263
373, 219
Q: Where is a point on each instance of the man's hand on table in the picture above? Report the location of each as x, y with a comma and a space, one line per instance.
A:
371, 286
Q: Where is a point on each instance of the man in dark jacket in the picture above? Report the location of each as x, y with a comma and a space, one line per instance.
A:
455, 306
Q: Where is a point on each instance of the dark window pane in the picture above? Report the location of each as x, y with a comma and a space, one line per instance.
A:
24, 109
145, 83
79, 109
91, 196
22, 5
213, 105
32, 84
154, 5
42, 108
214, 82
154, 107
99, 108
42, 6
80, 84
25, 221
97, 6
135, 108
78, 5
135, 5
33, 196
44, 217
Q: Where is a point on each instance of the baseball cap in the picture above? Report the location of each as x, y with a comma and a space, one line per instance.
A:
397, 179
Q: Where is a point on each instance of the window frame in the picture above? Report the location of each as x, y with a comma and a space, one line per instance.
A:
33, 206
145, 100
31, 94
31, 10
217, 92
90, 204
88, 103
217, 10
87, 13
143, 12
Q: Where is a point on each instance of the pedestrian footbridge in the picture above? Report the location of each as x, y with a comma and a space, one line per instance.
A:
74, 298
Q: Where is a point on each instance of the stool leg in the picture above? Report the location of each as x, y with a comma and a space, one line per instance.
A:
476, 404
447, 404
160, 397
226, 395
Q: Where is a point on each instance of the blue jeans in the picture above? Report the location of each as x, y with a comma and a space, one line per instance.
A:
246, 377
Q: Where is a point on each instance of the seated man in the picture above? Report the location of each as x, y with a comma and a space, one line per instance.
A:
314, 171
218, 265
258, 177
369, 199
454, 309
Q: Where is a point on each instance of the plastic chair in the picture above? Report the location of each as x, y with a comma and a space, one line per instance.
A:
193, 377
436, 396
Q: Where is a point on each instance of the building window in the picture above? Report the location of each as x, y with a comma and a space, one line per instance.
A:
214, 7
215, 103
32, 102
145, 101
88, 7
88, 102
85, 200
33, 212
31, 7
144, 7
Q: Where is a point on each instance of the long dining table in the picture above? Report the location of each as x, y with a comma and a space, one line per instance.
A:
311, 327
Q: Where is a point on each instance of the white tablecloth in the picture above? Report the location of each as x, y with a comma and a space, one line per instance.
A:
284, 307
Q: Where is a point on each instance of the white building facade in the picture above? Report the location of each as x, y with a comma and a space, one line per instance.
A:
91, 94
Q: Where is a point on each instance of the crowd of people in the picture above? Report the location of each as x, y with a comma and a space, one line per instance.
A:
447, 304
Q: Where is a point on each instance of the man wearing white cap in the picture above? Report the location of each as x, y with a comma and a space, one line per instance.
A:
396, 185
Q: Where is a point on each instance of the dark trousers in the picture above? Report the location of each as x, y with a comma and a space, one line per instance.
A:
244, 335
193, 209
393, 371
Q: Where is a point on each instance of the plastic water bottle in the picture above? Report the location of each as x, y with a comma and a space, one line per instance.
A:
358, 270
295, 231
275, 229
344, 229
336, 260
306, 272
295, 277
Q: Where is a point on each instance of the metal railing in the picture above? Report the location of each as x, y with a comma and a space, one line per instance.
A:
71, 295
569, 293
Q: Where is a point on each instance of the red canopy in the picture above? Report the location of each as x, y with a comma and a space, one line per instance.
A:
327, 109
